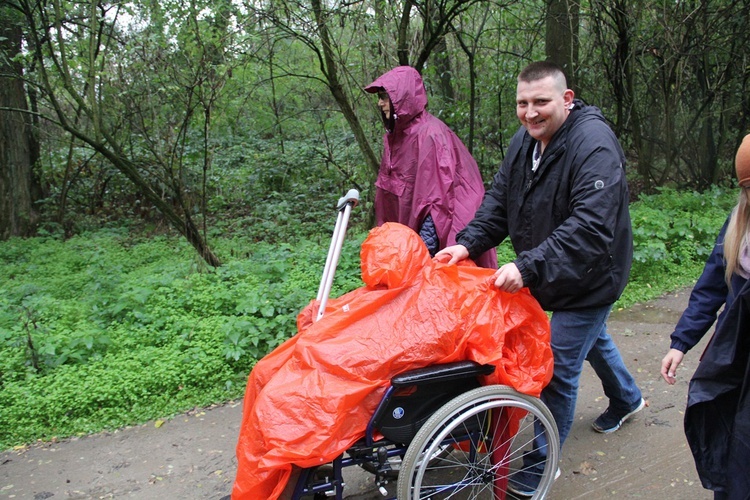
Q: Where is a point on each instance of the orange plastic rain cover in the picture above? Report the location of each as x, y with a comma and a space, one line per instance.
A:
312, 397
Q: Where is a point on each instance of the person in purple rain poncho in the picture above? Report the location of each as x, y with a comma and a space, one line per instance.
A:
428, 180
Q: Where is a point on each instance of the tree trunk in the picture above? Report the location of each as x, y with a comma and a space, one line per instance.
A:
402, 45
330, 70
561, 45
470, 52
441, 56
443, 66
18, 147
184, 224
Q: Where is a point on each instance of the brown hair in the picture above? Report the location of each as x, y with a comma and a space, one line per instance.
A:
542, 69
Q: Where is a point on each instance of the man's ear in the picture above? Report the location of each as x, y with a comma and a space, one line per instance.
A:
568, 96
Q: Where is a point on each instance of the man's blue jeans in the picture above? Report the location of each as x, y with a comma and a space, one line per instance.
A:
577, 336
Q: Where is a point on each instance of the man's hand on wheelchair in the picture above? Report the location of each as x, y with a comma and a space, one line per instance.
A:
508, 278
452, 254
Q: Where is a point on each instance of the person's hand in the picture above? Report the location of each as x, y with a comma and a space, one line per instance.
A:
508, 278
669, 365
452, 254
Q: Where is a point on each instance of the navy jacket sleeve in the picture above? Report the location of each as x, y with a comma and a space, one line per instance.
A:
708, 295
429, 235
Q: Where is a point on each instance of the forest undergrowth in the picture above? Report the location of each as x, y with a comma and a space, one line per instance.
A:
117, 326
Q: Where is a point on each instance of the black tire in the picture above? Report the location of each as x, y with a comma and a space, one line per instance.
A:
470, 474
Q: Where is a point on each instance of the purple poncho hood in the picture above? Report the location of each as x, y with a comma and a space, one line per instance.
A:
425, 168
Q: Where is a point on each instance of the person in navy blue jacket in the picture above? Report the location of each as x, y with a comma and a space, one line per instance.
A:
723, 275
717, 417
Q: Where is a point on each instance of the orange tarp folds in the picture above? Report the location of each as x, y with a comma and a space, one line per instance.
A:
311, 398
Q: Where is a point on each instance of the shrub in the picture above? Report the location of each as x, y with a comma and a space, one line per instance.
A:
673, 234
109, 328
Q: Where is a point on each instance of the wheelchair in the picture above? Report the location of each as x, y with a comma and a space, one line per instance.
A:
439, 434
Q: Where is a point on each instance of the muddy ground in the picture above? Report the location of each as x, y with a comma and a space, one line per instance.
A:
191, 456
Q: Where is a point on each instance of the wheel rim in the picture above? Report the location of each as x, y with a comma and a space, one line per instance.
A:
471, 473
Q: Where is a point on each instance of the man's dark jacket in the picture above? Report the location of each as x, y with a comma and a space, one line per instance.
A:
717, 419
569, 221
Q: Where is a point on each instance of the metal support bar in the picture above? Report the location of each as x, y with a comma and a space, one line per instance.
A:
344, 208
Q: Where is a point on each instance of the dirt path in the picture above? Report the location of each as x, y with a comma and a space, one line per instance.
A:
192, 456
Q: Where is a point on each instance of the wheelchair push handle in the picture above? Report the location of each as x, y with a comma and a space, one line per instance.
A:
344, 207
351, 197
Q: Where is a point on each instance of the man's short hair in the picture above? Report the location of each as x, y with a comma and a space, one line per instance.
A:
542, 69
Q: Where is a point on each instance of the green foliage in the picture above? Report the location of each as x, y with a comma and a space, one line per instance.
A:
105, 329
110, 328
227, 114
673, 234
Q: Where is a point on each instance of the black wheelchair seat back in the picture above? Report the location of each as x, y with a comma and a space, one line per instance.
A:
415, 395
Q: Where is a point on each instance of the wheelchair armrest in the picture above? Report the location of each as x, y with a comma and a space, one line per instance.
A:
441, 373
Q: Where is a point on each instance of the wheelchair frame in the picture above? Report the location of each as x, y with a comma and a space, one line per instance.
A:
468, 434
472, 447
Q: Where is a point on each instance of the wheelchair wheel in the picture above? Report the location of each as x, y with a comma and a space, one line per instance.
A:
480, 425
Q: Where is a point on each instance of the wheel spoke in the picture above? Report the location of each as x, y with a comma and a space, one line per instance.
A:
479, 426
